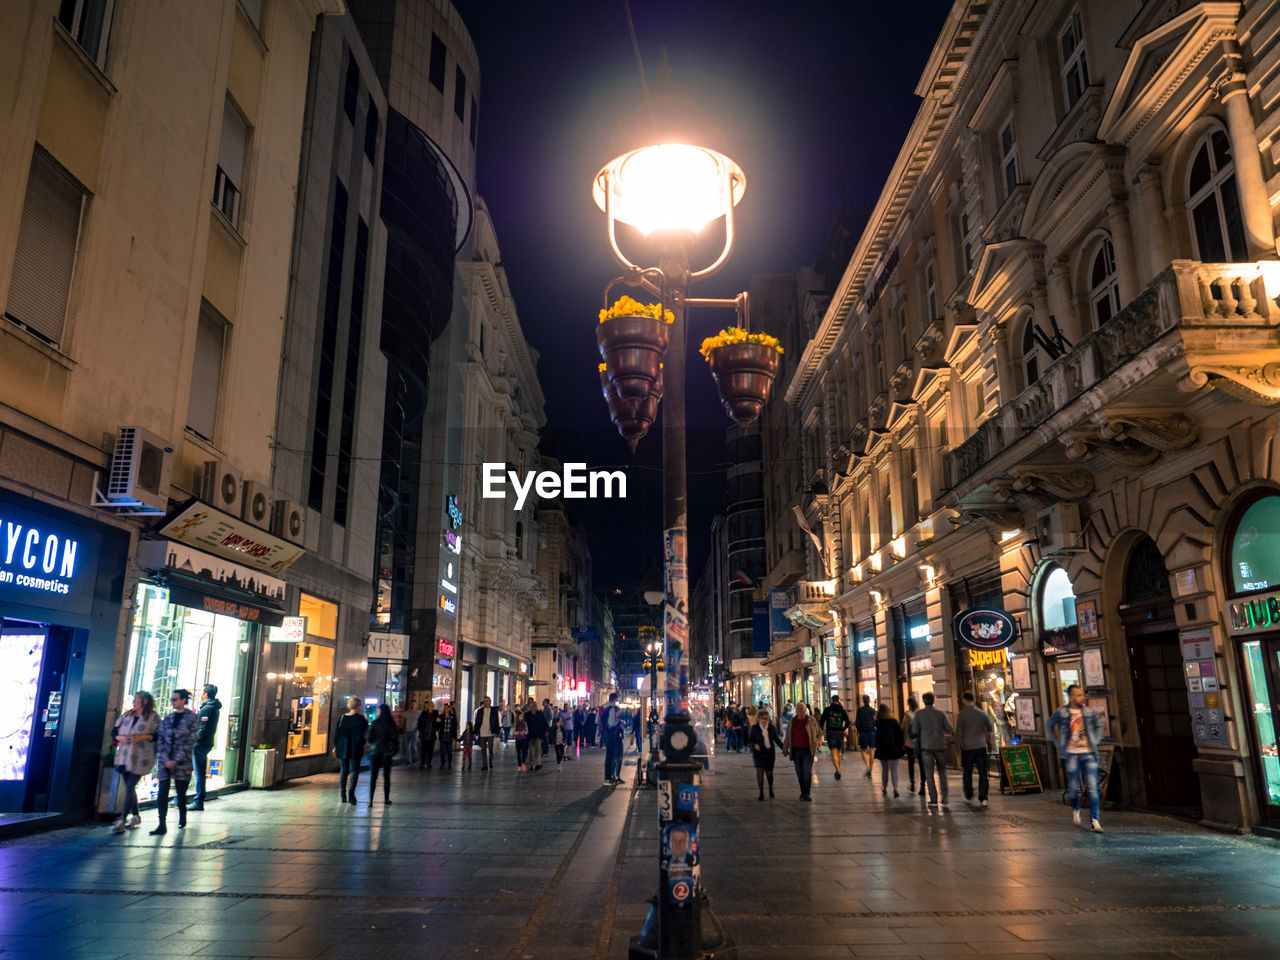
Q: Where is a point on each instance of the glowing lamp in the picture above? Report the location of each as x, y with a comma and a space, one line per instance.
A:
669, 187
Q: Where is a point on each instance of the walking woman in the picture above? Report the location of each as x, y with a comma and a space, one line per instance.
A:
175, 741
348, 747
448, 735
521, 734
761, 739
889, 748
426, 736
801, 744
135, 733
385, 737
909, 746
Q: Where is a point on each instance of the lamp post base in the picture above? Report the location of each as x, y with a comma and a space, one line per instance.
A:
711, 945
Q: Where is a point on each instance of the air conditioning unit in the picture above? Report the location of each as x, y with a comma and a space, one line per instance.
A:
258, 502
140, 467
1058, 528
289, 520
222, 486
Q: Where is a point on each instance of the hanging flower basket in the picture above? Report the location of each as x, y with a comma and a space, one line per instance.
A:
743, 365
632, 337
632, 417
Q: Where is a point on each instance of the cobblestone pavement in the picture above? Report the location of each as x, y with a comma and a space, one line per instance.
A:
554, 865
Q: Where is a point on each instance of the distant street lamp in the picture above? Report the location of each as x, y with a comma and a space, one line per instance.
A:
669, 187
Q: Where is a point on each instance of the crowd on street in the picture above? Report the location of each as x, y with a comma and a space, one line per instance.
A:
176, 746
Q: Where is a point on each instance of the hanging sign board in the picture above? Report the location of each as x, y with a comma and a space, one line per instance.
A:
207, 528
1060, 643
984, 628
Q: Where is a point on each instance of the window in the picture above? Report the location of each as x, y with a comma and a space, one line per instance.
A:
47, 239
975, 401
459, 93
911, 496
964, 242
931, 292
1213, 202
1057, 601
1075, 68
351, 89
519, 540
206, 373
351, 378
1009, 157
1030, 352
371, 132
89, 23
885, 519
474, 121
328, 350
435, 71
1104, 292
228, 182
1255, 548
904, 335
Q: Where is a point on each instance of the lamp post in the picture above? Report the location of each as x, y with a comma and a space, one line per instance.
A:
670, 188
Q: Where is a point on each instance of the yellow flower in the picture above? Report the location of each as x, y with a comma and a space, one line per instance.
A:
626, 306
602, 367
736, 335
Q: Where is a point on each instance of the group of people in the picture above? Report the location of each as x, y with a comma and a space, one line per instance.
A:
921, 738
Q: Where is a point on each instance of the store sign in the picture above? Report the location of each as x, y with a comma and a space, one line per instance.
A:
445, 647
223, 606
504, 662
921, 665
445, 662
388, 646
453, 541
779, 625
524, 667
981, 659
984, 628
806, 654
293, 630
454, 510
1251, 614
1060, 643
207, 528
448, 605
46, 562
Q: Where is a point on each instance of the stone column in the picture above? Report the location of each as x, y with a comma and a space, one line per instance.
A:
1122, 242
1155, 229
1060, 301
1255, 207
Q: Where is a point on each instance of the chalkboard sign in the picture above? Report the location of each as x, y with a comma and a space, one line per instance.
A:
1020, 768
1106, 754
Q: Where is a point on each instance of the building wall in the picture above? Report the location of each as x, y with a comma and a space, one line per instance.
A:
963, 460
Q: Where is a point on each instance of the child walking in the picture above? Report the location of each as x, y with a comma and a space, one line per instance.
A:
521, 733
468, 738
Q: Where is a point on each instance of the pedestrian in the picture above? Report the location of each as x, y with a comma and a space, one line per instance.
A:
548, 715
488, 724
801, 744
888, 748
468, 739
835, 724
448, 733
210, 710
1076, 730
558, 734
538, 730
135, 735
411, 715
611, 730
505, 718
864, 722
522, 741
384, 736
930, 728
174, 744
787, 711
566, 718
974, 730
427, 735
579, 724
348, 747
762, 737
909, 747
590, 725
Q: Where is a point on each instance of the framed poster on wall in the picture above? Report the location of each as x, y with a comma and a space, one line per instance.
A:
1099, 706
1087, 619
1092, 665
1021, 667
1026, 713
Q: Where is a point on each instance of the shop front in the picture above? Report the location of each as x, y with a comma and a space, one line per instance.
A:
864, 662
1253, 623
912, 652
59, 614
443, 668
200, 620
387, 674
984, 638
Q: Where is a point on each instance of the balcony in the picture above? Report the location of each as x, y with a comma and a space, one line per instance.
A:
809, 602
1195, 325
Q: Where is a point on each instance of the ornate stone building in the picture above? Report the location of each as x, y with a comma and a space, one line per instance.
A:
1047, 383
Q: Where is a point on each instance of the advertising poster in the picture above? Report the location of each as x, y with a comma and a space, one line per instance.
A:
679, 850
676, 619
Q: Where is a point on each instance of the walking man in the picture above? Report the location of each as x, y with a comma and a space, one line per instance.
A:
974, 731
1076, 730
504, 714
865, 722
538, 730
909, 746
487, 726
930, 728
210, 709
835, 725
801, 743
411, 732
611, 723
566, 721
174, 745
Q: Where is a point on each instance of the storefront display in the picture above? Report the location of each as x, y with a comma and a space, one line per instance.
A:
864, 661
912, 640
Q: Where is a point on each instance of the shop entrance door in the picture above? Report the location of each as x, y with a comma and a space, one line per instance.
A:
1262, 673
34, 658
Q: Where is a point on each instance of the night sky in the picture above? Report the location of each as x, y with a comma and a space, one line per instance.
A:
814, 99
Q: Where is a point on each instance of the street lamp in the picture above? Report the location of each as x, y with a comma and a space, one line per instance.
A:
669, 187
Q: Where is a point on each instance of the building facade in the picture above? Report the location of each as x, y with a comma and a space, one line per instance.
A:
1042, 387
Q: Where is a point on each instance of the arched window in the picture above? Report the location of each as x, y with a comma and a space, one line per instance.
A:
1104, 291
1255, 547
1030, 352
1213, 203
1057, 601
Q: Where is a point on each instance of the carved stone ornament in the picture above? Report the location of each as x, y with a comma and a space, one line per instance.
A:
1061, 482
1172, 431
1083, 443
995, 519
1254, 384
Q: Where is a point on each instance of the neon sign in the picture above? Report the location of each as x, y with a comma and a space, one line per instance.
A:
454, 510
445, 647
448, 605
